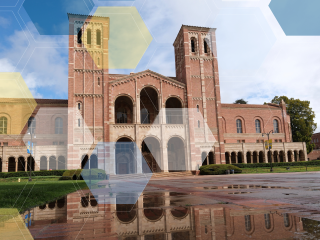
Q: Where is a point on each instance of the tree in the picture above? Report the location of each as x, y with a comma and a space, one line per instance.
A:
302, 119
240, 101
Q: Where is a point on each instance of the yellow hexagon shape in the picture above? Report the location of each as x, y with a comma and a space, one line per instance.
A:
116, 37
16, 103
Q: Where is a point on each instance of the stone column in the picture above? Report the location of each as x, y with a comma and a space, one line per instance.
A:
207, 159
16, 162
26, 164
47, 164
138, 155
236, 154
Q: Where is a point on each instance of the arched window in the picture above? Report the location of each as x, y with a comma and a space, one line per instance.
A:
247, 219
198, 124
79, 106
31, 125
3, 125
122, 115
79, 122
145, 116
88, 36
267, 222
197, 108
286, 220
239, 126
79, 36
193, 45
275, 126
258, 126
205, 45
98, 61
98, 81
98, 37
58, 125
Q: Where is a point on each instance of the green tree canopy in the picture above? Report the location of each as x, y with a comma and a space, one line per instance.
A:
240, 101
302, 119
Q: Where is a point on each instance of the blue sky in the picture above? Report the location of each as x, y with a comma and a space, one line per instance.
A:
256, 59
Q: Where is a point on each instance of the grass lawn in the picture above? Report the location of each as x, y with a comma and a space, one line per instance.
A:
24, 195
280, 169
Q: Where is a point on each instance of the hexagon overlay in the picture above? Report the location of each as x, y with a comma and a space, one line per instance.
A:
297, 17
116, 188
50, 16
16, 102
128, 37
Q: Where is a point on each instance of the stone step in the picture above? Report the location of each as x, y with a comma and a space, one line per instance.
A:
172, 174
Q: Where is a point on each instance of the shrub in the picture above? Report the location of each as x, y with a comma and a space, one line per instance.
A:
74, 174
278, 164
217, 169
33, 173
65, 178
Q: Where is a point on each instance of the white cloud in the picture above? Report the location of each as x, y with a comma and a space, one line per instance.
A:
4, 22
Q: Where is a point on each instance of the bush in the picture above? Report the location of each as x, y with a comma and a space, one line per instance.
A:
65, 178
280, 164
33, 173
74, 174
217, 169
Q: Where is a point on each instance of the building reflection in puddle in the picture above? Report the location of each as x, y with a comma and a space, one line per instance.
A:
154, 217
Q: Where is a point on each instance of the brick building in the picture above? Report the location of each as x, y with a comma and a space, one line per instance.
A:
178, 123
315, 154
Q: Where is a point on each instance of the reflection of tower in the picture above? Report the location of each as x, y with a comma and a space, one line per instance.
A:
88, 74
197, 67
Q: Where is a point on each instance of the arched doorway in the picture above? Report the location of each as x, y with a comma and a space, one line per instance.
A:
174, 113
290, 157
21, 164
150, 148
269, 156
123, 108
152, 206
233, 157
227, 155
281, 156
261, 157
0, 164
176, 155
275, 156
93, 161
301, 156
125, 159
30, 163
204, 158
239, 157
84, 162
249, 160
52, 163
126, 210
61, 163
11, 164
149, 106
255, 157
211, 158
43, 163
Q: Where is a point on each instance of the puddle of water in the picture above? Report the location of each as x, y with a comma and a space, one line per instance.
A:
81, 215
242, 187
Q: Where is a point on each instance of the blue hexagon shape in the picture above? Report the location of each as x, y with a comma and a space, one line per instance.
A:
116, 173
50, 16
297, 17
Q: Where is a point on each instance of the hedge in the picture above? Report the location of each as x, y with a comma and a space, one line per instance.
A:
74, 174
33, 173
278, 164
217, 169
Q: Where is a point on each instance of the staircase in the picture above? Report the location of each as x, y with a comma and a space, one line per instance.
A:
171, 174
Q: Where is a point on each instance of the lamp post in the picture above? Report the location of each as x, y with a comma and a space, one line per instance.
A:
268, 134
32, 135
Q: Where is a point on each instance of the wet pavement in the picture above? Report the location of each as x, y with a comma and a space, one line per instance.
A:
256, 206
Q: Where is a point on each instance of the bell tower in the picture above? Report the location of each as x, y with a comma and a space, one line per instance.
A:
197, 66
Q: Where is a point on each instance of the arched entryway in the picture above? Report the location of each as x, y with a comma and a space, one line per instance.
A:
93, 161
84, 162
233, 157
240, 156
21, 164
174, 113
125, 159
11, 164
52, 163
255, 157
149, 106
249, 159
123, 108
281, 156
150, 148
0, 164
227, 155
30, 163
43, 163
290, 156
204, 158
61, 163
211, 158
301, 156
176, 155
269, 156
261, 157
152, 206
276, 156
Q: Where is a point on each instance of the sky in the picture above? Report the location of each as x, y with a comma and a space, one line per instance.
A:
258, 58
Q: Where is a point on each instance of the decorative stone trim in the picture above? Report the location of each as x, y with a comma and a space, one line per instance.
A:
122, 126
122, 82
208, 77
194, 58
180, 228
89, 70
210, 98
197, 98
195, 76
88, 95
153, 230
128, 233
